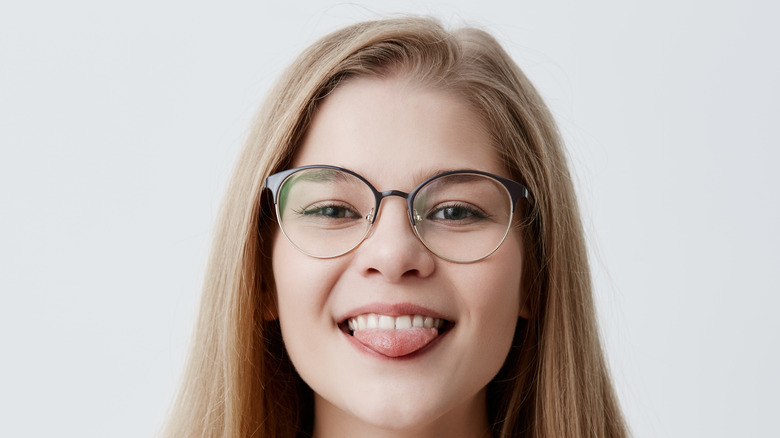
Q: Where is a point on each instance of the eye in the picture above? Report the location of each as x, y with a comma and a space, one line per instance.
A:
464, 213
328, 210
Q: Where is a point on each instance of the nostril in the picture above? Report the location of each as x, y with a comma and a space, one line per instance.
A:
411, 273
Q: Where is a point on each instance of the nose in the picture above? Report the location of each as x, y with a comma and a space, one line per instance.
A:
392, 249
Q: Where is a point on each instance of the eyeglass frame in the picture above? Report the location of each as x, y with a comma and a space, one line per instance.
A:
275, 181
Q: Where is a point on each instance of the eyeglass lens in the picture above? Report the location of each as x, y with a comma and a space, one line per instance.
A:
460, 217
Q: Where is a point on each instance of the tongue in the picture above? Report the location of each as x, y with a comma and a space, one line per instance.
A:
395, 343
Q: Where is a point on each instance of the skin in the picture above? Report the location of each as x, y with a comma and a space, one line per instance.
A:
397, 133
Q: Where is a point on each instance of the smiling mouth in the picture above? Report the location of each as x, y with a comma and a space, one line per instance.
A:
394, 336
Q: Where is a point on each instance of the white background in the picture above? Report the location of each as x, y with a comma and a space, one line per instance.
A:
119, 126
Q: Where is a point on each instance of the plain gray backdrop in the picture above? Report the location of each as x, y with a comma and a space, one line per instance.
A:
120, 124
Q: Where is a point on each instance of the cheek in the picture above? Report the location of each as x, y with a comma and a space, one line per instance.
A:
303, 284
501, 305
298, 297
506, 274
295, 277
494, 298
498, 306
295, 287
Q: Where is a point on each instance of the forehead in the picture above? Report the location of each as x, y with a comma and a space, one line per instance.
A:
394, 131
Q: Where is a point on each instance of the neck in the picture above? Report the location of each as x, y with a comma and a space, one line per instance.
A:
468, 420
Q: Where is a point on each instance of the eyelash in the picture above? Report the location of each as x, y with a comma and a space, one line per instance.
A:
473, 212
317, 209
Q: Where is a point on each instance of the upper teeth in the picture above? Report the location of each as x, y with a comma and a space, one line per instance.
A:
385, 322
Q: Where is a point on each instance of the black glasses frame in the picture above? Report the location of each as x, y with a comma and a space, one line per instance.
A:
274, 182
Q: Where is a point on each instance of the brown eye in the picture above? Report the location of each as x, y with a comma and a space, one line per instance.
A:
456, 213
330, 212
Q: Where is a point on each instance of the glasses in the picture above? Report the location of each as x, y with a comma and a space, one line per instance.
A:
462, 216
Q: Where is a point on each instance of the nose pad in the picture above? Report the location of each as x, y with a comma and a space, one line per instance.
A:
416, 216
398, 218
392, 248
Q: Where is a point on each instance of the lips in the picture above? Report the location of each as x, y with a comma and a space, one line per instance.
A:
395, 336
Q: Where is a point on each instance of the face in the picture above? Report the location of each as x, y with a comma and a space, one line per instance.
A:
396, 134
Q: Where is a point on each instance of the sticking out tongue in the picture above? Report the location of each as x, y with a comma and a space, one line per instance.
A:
395, 343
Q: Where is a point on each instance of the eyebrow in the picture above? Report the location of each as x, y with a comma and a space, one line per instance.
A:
332, 175
320, 175
424, 175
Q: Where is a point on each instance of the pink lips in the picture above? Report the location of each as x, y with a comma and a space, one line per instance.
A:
396, 343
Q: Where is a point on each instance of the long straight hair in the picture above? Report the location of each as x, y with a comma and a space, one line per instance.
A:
554, 383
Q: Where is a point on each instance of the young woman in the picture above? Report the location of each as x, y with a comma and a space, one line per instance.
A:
399, 254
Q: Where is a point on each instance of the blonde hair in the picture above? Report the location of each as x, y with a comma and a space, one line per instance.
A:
239, 380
